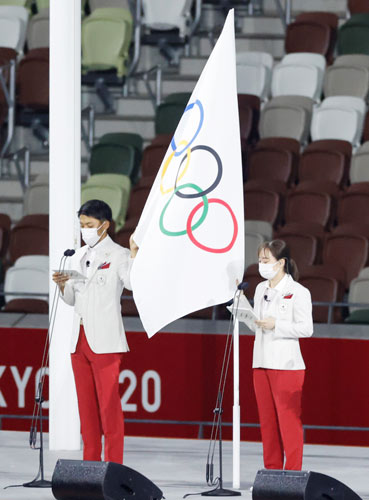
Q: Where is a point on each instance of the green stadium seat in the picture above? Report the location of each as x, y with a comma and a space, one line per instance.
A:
108, 158
106, 37
353, 35
170, 112
127, 139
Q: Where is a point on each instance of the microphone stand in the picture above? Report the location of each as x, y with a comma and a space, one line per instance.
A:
42, 482
219, 491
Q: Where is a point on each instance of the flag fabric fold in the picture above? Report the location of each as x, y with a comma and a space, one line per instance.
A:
191, 231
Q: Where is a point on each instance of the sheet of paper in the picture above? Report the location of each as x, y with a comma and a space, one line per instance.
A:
244, 310
73, 275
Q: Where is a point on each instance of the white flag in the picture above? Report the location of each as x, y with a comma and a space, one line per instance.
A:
191, 231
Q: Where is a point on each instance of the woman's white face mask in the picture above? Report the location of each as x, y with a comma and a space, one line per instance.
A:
268, 271
90, 235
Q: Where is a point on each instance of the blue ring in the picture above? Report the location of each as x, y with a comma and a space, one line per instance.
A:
188, 108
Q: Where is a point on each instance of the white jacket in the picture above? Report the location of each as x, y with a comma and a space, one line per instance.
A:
279, 349
97, 300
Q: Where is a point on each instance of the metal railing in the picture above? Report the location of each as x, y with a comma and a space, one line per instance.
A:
203, 424
88, 135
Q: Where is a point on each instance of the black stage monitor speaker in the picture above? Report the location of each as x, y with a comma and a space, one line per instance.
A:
84, 480
299, 485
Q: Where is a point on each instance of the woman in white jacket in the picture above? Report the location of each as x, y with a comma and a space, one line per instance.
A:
284, 309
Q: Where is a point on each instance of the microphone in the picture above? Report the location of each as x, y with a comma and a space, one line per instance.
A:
88, 263
69, 252
243, 285
266, 298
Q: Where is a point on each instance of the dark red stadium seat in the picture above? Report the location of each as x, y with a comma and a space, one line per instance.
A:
353, 228
5, 224
128, 305
284, 144
358, 6
261, 205
270, 164
122, 236
33, 80
138, 197
303, 248
250, 101
308, 36
27, 306
327, 18
348, 251
353, 206
330, 188
322, 166
153, 155
304, 206
322, 289
339, 146
246, 117
30, 236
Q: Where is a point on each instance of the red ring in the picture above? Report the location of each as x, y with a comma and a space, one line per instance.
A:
200, 245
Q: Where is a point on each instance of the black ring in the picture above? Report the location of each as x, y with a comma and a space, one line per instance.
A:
217, 179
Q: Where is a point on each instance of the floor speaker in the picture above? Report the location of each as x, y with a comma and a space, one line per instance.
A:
84, 480
299, 485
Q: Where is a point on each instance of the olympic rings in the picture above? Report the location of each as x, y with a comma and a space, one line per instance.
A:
200, 193
198, 223
166, 165
200, 245
217, 179
188, 108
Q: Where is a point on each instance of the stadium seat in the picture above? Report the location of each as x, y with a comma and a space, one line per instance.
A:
308, 36
127, 139
330, 188
252, 243
112, 158
36, 198
348, 251
357, 6
297, 79
128, 304
322, 166
353, 205
153, 155
30, 236
169, 113
122, 181
31, 276
285, 144
339, 117
161, 16
304, 206
343, 147
38, 30
251, 103
346, 80
13, 26
359, 169
261, 205
325, 18
322, 289
303, 248
111, 194
359, 294
270, 164
357, 228
353, 35
106, 37
254, 73
260, 227
138, 199
286, 116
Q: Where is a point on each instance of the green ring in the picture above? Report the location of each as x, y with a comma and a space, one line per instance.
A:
198, 223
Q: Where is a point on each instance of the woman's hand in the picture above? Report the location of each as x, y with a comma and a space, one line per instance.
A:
60, 279
266, 324
133, 246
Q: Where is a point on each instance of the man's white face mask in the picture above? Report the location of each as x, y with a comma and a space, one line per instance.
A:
90, 236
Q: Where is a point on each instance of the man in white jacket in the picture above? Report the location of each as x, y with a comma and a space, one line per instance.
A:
98, 338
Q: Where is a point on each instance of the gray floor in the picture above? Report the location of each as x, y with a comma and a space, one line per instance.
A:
177, 466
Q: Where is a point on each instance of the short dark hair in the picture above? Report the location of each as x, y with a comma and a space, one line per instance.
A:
97, 209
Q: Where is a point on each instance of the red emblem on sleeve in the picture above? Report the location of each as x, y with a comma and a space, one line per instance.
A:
105, 265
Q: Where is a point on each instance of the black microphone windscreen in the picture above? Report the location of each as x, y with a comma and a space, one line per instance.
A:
243, 285
69, 252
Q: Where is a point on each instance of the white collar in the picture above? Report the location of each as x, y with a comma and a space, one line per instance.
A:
281, 285
100, 246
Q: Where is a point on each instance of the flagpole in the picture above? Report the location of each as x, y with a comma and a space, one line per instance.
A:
236, 404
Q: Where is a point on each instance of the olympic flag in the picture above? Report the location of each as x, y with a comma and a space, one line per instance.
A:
191, 231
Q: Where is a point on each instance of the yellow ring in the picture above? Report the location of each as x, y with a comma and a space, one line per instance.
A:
166, 165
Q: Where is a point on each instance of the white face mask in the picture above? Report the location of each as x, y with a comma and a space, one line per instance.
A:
267, 271
90, 236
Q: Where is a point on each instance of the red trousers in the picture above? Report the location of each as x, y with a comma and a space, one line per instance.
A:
100, 410
278, 395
